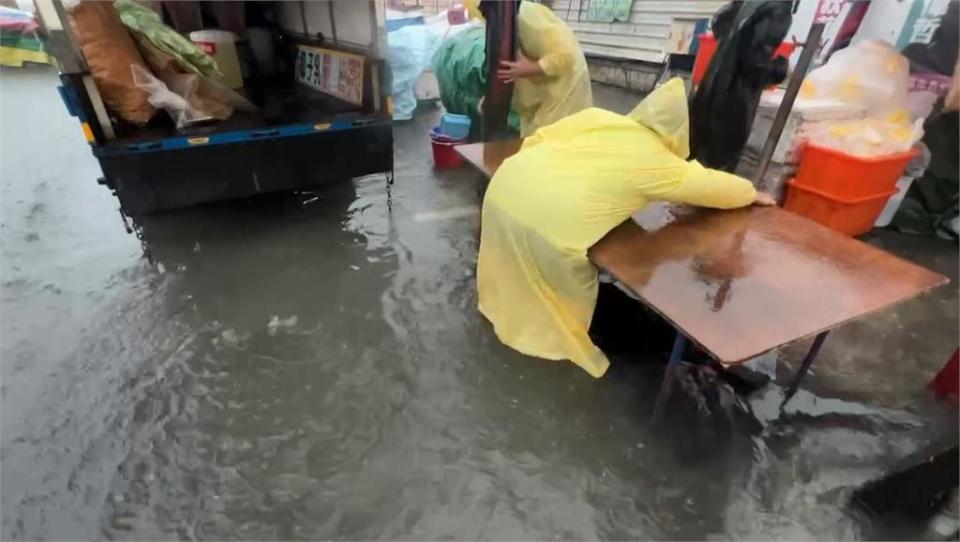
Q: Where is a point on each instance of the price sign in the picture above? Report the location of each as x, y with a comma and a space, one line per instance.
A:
333, 72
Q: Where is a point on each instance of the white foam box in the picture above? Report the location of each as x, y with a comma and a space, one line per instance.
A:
805, 111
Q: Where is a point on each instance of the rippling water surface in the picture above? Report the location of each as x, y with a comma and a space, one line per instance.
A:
313, 366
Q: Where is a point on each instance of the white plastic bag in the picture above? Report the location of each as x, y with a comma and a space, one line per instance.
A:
655, 215
176, 105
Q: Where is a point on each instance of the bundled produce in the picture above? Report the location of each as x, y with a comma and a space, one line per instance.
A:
181, 78
147, 24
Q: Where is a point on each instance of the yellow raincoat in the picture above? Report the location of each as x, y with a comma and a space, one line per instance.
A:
571, 183
564, 89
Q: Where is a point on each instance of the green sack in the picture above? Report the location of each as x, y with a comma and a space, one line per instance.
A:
148, 23
460, 67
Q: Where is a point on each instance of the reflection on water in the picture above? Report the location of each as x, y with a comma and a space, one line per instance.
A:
313, 366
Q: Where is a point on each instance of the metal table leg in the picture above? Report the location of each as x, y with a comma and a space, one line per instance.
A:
666, 386
804, 367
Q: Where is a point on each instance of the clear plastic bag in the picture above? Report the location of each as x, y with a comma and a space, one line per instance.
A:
182, 102
874, 76
871, 74
874, 136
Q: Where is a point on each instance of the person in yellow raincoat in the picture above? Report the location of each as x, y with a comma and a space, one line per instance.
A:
571, 183
550, 75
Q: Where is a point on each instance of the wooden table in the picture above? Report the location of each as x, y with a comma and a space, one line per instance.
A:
741, 283
487, 157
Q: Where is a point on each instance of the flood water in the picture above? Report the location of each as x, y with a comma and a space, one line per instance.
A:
314, 366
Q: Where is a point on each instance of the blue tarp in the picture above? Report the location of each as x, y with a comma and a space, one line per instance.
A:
397, 24
409, 51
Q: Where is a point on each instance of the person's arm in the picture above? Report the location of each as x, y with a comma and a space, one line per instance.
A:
518, 69
560, 53
706, 187
546, 38
551, 65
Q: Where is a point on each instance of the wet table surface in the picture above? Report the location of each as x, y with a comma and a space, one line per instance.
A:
741, 283
487, 157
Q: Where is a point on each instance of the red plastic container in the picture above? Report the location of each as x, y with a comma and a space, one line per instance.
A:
444, 154
947, 381
851, 216
849, 177
708, 46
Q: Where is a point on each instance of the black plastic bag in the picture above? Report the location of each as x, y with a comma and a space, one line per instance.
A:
725, 103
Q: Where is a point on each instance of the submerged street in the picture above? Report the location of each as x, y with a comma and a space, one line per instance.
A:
314, 366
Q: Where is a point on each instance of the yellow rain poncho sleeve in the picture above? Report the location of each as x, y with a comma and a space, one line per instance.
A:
564, 89
570, 184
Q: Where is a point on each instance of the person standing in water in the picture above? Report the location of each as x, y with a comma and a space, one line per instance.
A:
550, 75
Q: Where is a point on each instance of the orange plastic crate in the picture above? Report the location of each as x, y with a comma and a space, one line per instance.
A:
848, 216
849, 177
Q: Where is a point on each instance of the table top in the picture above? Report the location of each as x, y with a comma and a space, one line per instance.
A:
741, 283
487, 157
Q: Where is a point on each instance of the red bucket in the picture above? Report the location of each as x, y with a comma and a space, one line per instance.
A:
444, 154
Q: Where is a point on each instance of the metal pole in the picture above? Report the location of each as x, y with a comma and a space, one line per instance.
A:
303, 18
669, 376
804, 367
333, 22
783, 112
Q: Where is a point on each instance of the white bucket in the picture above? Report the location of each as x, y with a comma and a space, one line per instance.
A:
221, 45
893, 204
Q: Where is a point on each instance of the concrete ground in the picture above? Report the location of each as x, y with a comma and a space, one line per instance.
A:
313, 366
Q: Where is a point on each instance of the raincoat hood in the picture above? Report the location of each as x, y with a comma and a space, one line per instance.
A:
665, 112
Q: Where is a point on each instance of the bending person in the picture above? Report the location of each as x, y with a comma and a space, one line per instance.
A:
571, 183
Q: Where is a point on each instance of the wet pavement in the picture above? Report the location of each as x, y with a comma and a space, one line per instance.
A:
313, 366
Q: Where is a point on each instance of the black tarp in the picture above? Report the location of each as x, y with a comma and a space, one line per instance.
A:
725, 103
